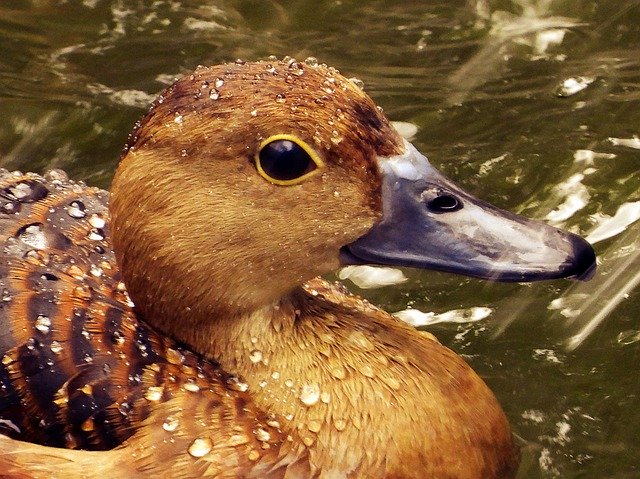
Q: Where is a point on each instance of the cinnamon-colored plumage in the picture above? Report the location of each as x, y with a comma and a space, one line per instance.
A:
234, 362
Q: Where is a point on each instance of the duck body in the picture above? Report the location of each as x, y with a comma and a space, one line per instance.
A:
236, 360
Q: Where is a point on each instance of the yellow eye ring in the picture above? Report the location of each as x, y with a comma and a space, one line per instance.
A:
285, 159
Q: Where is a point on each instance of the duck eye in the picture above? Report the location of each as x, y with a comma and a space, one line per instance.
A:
286, 160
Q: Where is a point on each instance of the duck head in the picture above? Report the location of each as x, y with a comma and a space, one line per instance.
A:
247, 179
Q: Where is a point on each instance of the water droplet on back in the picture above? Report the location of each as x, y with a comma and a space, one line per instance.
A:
33, 236
76, 209
43, 324
170, 424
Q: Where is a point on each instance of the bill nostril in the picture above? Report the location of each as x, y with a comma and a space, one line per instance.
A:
444, 203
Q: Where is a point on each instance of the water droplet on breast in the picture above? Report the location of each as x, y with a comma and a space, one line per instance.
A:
309, 394
191, 386
238, 440
262, 435
338, 372
218, 82
200, 447
392, 382
255, 356
339, 424
254, 455
234, 383
280, 98
314, 426
178, 119
366, 370
214, 94
154, 393
170, 424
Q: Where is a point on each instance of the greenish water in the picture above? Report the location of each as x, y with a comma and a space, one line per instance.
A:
488, 84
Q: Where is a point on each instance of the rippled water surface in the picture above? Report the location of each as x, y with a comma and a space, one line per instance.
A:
534, 106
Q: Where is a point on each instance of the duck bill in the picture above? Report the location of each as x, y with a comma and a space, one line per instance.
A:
429, 222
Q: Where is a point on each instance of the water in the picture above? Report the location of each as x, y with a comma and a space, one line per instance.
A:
534, 106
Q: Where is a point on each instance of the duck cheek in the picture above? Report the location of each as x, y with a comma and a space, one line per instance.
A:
429, 222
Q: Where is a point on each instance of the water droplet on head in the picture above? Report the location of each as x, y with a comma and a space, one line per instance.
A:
309, 394
214, 94
311, 61
357, 82
178, 119
296, 68
218, 82
200, 447
56, 175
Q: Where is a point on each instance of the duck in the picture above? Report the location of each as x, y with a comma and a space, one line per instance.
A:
179, 325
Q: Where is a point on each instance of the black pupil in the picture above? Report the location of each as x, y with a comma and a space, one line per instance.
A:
285, 160
444, 203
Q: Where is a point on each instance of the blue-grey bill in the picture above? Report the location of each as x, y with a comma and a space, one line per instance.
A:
429, 222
